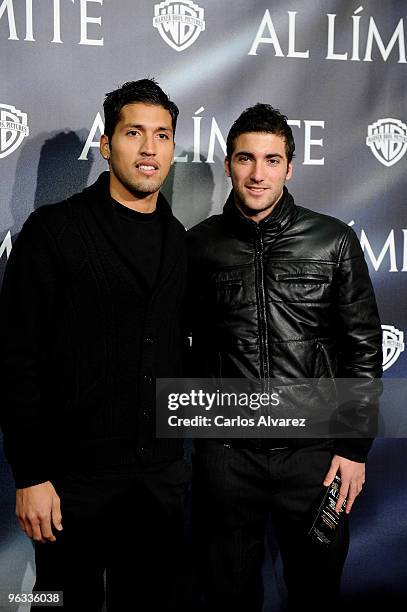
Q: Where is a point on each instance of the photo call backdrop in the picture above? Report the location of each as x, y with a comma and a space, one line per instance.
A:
336, 68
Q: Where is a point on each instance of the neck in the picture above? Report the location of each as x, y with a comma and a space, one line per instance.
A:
144, 203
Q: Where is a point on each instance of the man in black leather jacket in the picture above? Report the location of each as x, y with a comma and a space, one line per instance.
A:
277, 291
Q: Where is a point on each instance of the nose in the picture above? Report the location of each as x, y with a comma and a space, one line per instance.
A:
148, 145
257, 172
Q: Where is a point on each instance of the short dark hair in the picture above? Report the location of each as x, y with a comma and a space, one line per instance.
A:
261, 118
146, 91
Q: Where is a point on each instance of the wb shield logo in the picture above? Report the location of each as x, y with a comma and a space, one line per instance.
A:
179, 22
13, 129
393, 345
387, 139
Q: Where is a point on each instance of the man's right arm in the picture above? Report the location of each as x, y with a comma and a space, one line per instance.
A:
26, 307
36, 507
26, 303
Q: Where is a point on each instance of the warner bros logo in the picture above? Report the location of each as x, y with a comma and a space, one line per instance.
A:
393, 345
387, 139
13, 129
179, 22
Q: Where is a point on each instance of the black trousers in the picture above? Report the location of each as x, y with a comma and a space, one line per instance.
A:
126, 522
234, 492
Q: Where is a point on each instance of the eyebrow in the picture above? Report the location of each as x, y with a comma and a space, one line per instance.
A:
249, 154
143, 127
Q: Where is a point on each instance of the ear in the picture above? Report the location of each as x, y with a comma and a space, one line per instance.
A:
104, 146
227, 167
289, 171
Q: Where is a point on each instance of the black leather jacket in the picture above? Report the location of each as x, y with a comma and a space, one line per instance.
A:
288, 297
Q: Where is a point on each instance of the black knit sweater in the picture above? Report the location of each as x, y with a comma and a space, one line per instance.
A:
84, 339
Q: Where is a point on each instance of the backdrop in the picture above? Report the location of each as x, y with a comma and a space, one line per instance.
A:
336, 68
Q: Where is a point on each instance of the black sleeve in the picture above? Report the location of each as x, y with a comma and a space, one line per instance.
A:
26, 304
360, 339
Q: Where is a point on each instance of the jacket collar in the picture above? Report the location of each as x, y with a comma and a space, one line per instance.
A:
281, 217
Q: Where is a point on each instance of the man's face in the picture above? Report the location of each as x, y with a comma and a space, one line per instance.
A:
258, 169
140, 151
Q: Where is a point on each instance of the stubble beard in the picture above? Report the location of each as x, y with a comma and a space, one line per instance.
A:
138, 187
250, 211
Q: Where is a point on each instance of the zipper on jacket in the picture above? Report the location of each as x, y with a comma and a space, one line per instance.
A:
261, 305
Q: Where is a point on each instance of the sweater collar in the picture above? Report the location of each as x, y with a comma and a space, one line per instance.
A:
99, 201
100, 190
282, 216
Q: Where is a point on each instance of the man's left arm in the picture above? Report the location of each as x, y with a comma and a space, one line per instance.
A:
360, 357
352, 475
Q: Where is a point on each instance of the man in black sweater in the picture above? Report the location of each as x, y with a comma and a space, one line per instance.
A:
92, 295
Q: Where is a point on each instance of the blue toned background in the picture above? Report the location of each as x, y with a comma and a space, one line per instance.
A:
335, 68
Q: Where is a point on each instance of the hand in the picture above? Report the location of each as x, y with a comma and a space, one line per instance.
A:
36, 506
352, 475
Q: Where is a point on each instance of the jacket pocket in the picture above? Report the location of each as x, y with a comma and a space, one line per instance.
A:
302, 278
229, 293
326, 359
330, 389
294, 287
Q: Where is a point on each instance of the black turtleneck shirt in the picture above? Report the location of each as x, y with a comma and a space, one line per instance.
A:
141, 238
